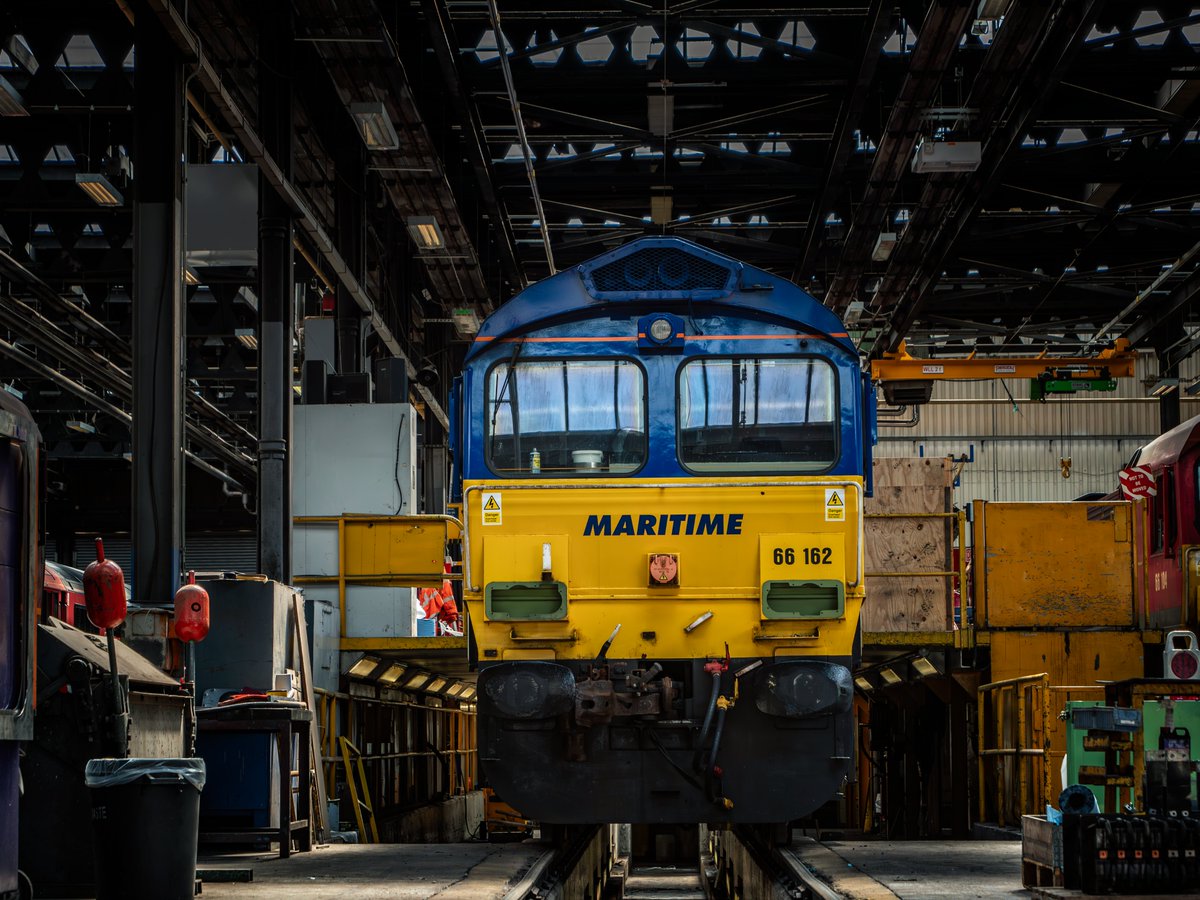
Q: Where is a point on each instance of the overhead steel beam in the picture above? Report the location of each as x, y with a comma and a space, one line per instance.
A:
526, 151
94, 400
211, 82
1179, 300
876, 27
441, 34
1032, 52
22, 319
937, 43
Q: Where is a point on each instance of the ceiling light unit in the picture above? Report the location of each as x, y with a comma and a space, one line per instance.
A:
863, 683
190, 276
436, 686
375, 126
363, 667
1164, 386
246, 338
466, 320
80, 427
416, 681
99, 189
925, 667
392, 673
425, 232
934, 157
884, 245
854, 312
889, 677
11, 101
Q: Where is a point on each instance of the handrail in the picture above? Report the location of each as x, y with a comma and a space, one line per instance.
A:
469, 582
1018, 687
372, 579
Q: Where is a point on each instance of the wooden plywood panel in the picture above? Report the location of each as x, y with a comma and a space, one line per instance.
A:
900, 542
1058, 564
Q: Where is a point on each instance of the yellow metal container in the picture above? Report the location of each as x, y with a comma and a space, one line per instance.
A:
1055, 565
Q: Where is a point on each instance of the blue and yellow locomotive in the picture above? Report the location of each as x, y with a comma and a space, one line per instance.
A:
660, 467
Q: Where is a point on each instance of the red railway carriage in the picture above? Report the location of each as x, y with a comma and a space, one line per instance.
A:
1172, 550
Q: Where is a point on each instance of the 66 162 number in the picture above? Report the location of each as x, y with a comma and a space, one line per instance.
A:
813, 556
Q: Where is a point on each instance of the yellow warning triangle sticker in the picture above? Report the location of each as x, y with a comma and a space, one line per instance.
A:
491, 503
834, 500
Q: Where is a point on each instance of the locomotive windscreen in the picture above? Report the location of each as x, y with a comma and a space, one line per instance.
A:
757, 414
579, 417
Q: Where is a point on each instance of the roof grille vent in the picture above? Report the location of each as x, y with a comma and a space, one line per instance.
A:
660, 271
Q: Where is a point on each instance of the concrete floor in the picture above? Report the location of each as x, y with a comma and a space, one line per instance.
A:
472, 871
932, 870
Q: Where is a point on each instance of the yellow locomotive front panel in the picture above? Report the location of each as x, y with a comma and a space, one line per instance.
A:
763, 568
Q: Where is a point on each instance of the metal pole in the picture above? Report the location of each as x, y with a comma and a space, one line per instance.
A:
276, 307
158, 203
981, 724
1018, 745
348, 190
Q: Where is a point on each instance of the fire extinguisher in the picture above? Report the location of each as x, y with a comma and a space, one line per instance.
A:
191, 611
104, 594
191, 625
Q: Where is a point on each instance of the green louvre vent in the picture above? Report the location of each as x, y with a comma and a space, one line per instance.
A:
804, 599
525, 600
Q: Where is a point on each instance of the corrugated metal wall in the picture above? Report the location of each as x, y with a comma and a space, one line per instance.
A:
232, 552
1017, 443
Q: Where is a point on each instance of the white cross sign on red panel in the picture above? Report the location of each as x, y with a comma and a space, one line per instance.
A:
1137, 483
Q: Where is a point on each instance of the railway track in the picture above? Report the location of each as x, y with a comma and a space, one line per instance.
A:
734, 864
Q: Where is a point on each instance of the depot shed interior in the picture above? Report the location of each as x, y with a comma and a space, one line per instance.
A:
245, 249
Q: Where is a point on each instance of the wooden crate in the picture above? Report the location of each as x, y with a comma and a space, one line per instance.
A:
909, 544
1041, 852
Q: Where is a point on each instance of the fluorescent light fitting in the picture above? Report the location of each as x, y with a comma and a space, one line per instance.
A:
890, 677
392, 673
375, 126
854, 312
363, 667
466, 320
99, 189
416, 680
455, 689
190, 276
11, 101
425, 232
864, 683
884, 245
81, 427
1164, 386
924, 667
18, 49
468, 693
246, 337
435, 686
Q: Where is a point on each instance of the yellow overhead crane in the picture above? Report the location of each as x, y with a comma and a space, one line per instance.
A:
907, 379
